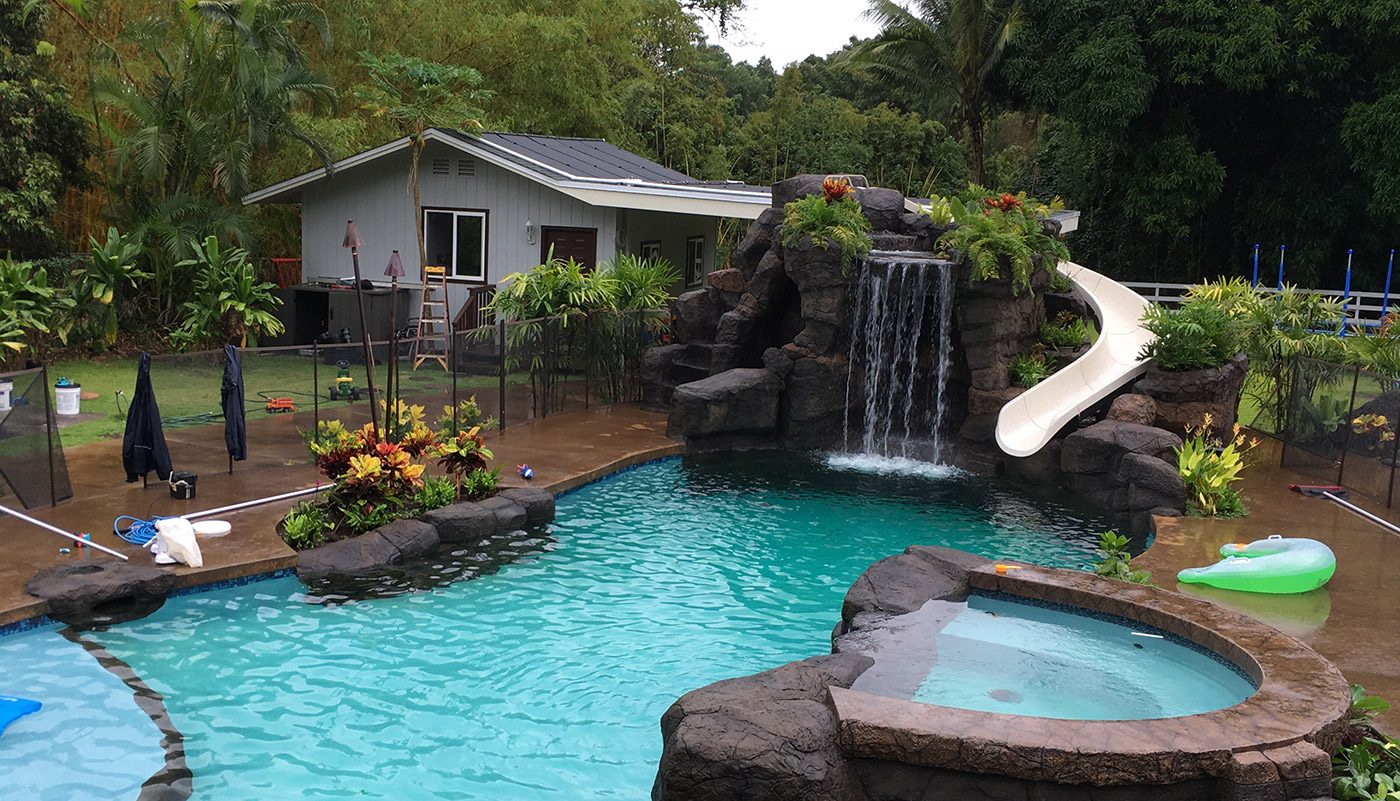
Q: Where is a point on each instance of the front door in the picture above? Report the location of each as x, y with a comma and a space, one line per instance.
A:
579, 244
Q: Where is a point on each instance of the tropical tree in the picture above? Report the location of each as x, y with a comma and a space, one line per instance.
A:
43, 142
961, 41
222, 88
416, 94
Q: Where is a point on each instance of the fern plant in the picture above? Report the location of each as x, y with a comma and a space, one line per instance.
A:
838, 222
993, 232
1195, 335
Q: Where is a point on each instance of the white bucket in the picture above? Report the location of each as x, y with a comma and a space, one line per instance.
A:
66, 399
6, 387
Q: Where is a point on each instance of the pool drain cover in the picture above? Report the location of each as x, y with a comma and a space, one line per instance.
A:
1005, 696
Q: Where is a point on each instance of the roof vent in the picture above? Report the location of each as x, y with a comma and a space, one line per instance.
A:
441, 167
466, 168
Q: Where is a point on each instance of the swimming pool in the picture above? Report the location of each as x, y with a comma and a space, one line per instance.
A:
542, 678
999, 654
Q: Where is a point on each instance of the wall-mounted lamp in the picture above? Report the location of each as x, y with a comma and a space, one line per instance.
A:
529, 233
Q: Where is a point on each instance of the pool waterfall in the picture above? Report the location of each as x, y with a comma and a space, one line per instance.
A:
901, 329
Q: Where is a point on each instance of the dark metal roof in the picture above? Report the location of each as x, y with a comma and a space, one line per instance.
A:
585, 158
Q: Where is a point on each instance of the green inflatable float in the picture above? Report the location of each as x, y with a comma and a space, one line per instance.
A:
1275, 565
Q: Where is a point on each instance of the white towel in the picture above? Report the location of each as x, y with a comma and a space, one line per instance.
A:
175, 542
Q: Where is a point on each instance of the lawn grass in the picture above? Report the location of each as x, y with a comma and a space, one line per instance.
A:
187, 387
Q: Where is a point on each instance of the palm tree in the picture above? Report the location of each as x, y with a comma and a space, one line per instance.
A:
416, 95
963, 40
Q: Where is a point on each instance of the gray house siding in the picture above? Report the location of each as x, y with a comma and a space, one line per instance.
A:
378, 197
671, 231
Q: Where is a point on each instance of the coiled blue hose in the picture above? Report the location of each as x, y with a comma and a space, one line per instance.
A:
140, 532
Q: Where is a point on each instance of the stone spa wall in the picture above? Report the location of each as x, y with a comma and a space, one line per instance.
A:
799, 732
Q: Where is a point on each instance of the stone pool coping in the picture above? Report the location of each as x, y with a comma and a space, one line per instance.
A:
1284, 730
567, 451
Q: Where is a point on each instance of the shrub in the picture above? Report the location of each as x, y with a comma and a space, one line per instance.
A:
1115, 562
1210, 468
464, 456
95, 286
305, 526
1067, 331
838, 221
230, 304
1367, 764
26, 303
940, 211
1060, 283
1001, 229
435, 493
1195, 335
1028, 369
480, 484
468, 415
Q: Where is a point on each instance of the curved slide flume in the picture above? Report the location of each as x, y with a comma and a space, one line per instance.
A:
1035, 416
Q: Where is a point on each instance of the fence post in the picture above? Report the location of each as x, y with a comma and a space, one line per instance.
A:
452, 359
1390, 491
315, 389
587, 360
1351, 408
501, 371
49, 423
1285, 434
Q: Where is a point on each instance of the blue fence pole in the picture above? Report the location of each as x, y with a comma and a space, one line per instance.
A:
1254, 282
1280, 268
1346, 295
1385, 298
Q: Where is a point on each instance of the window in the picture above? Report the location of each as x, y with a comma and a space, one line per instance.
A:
456, 240
694, 260
651, 250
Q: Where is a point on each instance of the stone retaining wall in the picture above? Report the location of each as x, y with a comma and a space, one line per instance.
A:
470, 521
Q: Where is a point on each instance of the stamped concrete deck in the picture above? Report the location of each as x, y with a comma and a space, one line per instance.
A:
1353, 621
565, 451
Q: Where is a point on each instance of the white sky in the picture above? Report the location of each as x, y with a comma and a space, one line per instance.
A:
790, 30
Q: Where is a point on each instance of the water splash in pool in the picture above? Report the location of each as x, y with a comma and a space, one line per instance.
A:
889, 465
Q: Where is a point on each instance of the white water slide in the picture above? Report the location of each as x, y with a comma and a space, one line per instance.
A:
1035, 416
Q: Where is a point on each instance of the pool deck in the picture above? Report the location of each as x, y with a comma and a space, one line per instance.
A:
1353, 621
565, 451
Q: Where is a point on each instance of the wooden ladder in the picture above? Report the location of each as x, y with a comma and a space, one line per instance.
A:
434, 328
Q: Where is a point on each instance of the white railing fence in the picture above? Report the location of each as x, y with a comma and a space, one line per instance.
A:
1365, 309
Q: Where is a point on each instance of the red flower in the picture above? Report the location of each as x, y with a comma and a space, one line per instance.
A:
834, 189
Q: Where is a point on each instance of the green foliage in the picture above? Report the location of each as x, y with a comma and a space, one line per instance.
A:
1275, 330
1060, 283
26, 303
961, 42
306, 526
1364, 706
230, 303
992, 233
1210, 468
940, 211
468, 416
480, 484
43, 141
1367, 764
1028, 369
839, 222
436, 492
1067, 331
1194, 335
112, 268
640, 284
1114, 561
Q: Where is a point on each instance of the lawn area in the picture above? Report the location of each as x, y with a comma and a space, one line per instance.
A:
187, 387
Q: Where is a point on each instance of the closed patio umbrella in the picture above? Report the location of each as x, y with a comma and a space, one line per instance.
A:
231, 398
143, 445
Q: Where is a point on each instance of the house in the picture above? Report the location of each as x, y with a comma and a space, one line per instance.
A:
496, 203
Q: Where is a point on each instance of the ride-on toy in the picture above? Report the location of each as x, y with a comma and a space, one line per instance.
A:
344, 387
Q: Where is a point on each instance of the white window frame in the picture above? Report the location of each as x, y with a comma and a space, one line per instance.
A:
481, 214
654, 245
698, 262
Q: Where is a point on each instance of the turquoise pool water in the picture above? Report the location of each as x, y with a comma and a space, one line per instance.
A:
543, 678
998, 654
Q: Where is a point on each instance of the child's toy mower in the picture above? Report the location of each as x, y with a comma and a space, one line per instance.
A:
344, 387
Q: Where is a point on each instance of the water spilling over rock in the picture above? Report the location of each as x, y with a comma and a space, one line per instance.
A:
901, 326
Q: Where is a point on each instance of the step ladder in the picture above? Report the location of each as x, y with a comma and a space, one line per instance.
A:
434, 328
